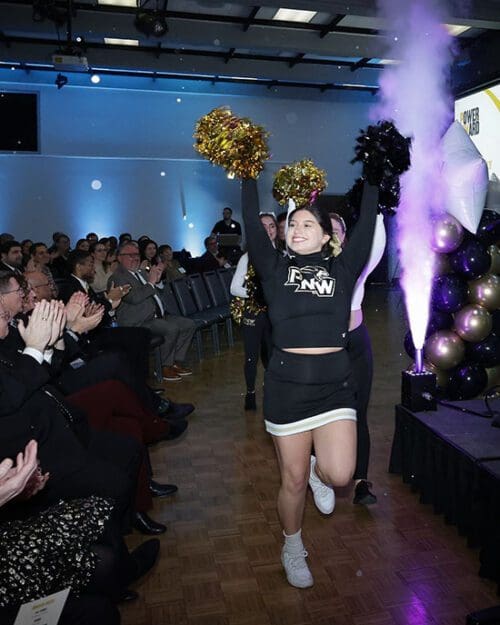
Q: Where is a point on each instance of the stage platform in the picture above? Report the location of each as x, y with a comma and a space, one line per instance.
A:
453, 460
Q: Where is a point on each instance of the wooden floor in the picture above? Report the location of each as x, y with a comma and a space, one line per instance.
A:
394, 563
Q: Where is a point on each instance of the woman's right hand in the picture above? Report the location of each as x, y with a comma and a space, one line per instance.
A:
13, 479
37, 332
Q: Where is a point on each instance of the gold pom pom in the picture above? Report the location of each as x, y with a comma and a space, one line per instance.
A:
234, 143
301, 181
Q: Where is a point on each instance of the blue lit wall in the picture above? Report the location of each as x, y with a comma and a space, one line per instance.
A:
125, 132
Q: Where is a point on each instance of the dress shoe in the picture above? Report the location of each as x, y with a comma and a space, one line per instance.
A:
175, 411
176, 429
144, 557
145, 524
161, 490
181, 370
127, 595
170, 374
250, 403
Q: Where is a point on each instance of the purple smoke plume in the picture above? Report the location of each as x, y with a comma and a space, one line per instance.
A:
415, 96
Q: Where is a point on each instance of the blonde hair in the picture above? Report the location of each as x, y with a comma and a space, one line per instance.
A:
334, 245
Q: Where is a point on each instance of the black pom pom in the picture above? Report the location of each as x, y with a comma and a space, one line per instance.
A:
388, 198
384, 152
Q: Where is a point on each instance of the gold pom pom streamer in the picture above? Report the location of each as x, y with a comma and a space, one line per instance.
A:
301, 181
234, 143
241, 307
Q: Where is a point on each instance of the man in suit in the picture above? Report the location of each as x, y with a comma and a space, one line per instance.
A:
142, 306
212, 259
12, 257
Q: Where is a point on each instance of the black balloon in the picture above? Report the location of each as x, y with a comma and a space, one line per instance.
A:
495, 317
486, 352
449, 293
488, 231
439, 321
471, 259
466, 381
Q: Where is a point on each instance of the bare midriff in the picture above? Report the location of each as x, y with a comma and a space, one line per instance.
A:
312, 351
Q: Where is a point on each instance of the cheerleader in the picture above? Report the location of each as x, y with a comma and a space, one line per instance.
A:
309, 396
249, 309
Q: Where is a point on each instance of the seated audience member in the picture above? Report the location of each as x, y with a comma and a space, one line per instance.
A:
6, 236
149, 253
80, 462
124, 236
26, 247
82, 245
39, 261
112, 259
173, 269
79, 366
112, 243
103, 408
102, 270
142, 306
59, 256
211, 260
92, 238
12, 257
73, 544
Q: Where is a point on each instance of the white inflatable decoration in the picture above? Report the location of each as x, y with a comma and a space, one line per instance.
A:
466, 176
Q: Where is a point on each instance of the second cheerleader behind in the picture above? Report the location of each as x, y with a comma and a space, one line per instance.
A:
309, 398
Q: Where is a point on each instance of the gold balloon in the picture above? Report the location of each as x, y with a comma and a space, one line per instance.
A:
494, 251
444, 349
485, 291
441, 264
493, 376
473, 323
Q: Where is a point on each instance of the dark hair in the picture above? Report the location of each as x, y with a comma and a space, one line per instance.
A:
57, 236
80, 241
77, 257
113, 241
323, 218
35, 246
5, 277
142, 250
164, 247
91, 234
8, 245
207, 239
281, 217
227, 208
124, 236
24, 241
272, 215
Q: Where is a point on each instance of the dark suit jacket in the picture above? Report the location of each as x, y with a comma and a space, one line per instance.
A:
206, 262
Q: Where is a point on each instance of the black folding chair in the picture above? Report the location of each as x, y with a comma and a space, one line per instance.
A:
220, 301
225, 275
188, 307
172, 307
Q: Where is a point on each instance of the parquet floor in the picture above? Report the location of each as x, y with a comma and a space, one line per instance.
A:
394, 563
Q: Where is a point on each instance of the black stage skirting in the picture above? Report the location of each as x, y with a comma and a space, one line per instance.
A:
453, 460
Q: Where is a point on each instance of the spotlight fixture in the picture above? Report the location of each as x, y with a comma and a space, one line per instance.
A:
61, 80
95, 79
151, 22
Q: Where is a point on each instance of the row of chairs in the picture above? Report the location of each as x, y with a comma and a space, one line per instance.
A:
204, 298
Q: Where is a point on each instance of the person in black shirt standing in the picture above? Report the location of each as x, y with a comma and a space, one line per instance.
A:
309, 397
226, 226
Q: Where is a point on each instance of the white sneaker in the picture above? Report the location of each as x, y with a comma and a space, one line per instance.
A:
296, 569
324, 496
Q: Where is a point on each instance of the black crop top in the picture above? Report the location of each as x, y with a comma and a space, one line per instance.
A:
308, 297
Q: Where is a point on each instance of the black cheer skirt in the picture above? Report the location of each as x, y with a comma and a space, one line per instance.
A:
303, 392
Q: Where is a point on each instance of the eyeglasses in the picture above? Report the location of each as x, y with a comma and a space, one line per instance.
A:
131, 255
37, 286
20, 288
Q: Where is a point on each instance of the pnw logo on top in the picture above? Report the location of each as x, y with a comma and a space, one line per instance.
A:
313, 280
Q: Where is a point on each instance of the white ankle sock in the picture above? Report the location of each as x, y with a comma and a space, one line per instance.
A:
293, 542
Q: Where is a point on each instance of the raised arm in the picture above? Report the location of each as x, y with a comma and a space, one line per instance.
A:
261, 251
356, 252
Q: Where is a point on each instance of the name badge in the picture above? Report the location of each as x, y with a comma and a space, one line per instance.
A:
182, 270
44, 611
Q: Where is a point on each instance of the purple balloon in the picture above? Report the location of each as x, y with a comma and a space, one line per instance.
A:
487, 352
447, 235
449, 293
467, 381
488, 230
471, 260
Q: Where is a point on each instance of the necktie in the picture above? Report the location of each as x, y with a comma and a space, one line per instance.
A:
160, 311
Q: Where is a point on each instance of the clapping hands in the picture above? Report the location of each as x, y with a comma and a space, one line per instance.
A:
45, 325
25, 478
